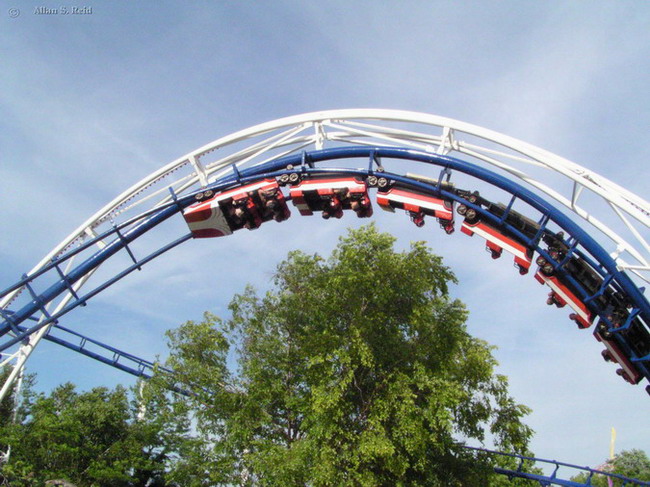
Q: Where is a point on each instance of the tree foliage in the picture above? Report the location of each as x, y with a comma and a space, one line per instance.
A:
633, 464
353, 370
89, 439
7, 403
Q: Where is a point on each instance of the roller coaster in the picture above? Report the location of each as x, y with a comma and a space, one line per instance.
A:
501, 190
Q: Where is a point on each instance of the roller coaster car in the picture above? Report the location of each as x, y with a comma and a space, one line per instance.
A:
586, 277
634, 332
562, 295
579, 269
497, 240
613, 353
332, 196
417, 204
243, 207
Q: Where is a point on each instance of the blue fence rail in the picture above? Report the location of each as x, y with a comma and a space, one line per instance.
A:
569, 470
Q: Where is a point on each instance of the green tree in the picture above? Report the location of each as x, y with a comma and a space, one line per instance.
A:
12, 411
6, 415
355, 370
633, 464
90, 439
7, 404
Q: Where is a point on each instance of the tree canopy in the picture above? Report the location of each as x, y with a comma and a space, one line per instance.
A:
89, 439
356, 369
352, 370
633, 464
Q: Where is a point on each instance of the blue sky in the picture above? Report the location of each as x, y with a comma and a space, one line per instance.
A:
90, 104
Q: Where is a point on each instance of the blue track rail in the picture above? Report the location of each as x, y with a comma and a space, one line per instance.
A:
126, 362
553, 479
13, 331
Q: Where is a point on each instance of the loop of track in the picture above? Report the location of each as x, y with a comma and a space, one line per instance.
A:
119, 238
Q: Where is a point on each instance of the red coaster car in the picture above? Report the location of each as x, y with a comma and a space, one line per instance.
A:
613, 353
417, 205
496, 242
561, 295
332, 195
244, 207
